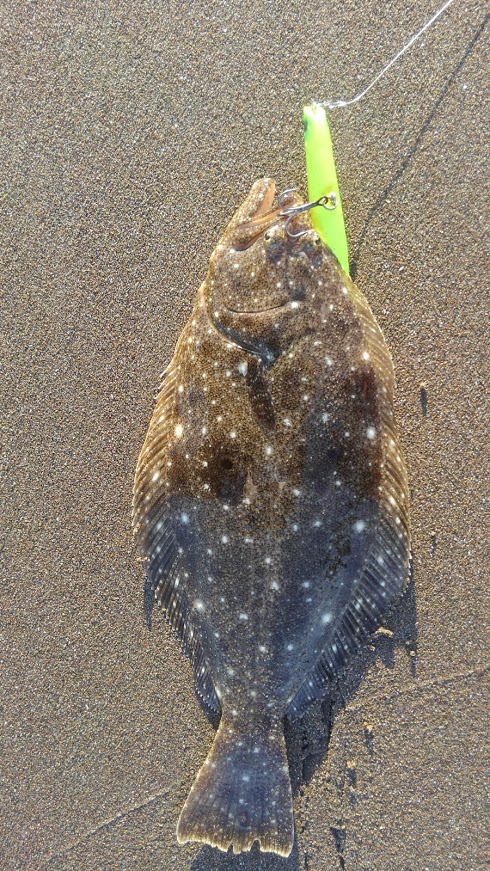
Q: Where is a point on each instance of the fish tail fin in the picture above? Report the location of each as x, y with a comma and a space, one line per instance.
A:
242, 793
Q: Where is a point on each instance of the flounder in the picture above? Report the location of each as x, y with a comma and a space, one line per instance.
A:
271, 502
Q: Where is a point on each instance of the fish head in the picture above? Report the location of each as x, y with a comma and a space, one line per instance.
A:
263, 267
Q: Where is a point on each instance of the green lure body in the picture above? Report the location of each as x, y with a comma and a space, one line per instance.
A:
322, 181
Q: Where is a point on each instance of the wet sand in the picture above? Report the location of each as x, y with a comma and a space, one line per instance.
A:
130, 132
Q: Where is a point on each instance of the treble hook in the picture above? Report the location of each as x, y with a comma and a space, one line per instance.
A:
281, 197
327, 201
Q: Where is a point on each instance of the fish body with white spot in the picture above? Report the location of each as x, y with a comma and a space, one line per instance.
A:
271, 502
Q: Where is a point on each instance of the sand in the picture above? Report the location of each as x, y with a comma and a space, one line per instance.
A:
130, 132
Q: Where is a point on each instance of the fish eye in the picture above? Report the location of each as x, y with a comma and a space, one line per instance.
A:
312, 244
274, 242
313, 241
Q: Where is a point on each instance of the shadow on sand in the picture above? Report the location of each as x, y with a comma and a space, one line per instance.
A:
414, 147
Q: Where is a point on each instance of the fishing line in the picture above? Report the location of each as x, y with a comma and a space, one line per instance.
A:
338, 104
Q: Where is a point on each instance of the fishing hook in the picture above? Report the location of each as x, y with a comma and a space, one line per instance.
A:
327, 201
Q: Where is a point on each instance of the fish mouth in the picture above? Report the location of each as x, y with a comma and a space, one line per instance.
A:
258, 214
246, 233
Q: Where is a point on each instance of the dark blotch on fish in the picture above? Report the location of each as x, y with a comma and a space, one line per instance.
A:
271, 502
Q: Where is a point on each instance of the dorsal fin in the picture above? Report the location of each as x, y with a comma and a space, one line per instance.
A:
153, 526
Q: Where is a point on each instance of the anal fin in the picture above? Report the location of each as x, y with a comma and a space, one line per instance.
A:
381, 580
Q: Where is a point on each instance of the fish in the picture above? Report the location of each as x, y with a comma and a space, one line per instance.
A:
271, 504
